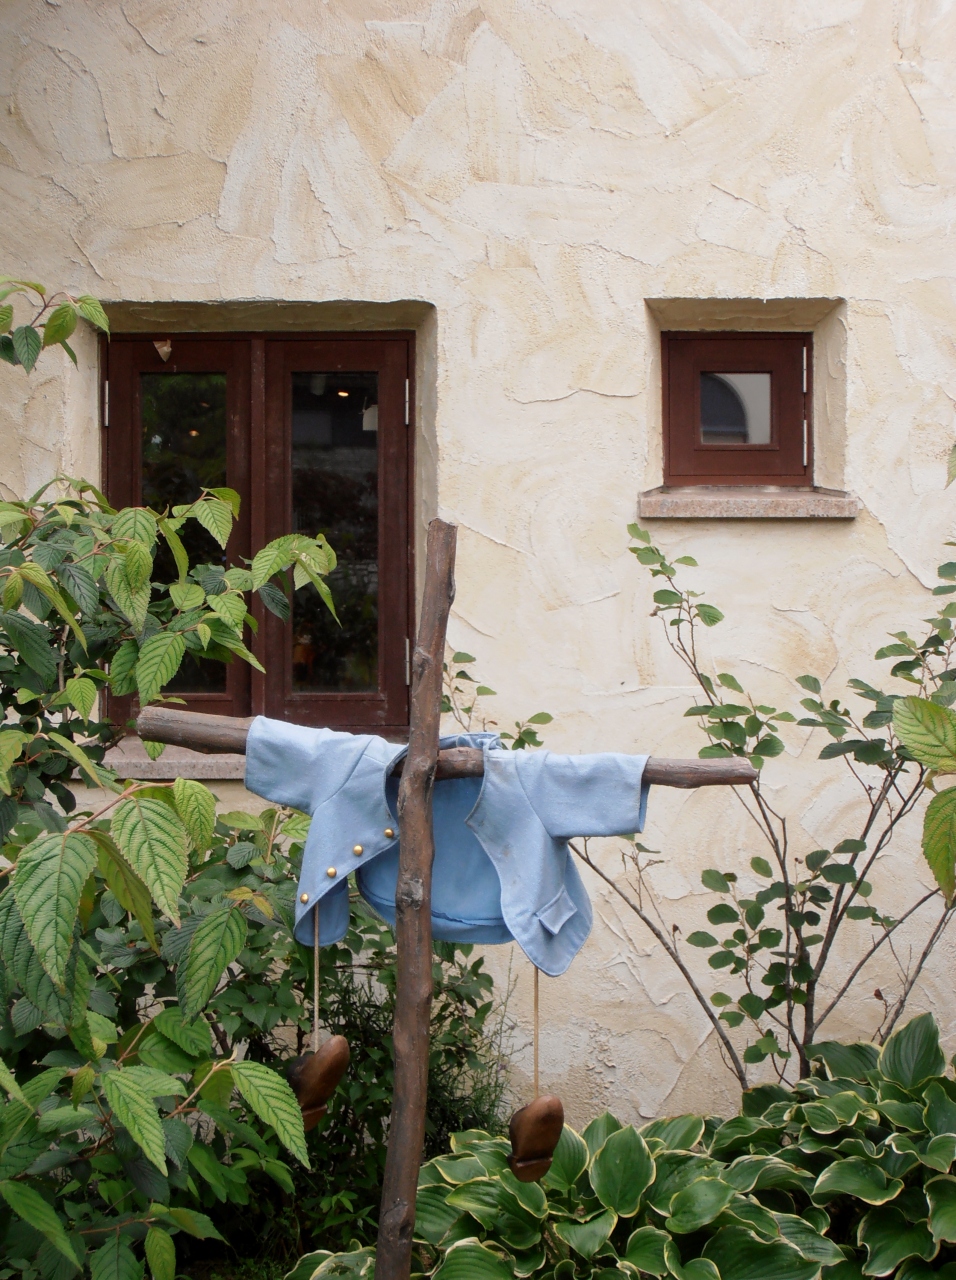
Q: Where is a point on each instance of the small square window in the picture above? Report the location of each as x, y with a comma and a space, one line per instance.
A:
737, 408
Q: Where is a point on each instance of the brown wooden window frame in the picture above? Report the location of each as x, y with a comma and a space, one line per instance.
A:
259, 466
787, 460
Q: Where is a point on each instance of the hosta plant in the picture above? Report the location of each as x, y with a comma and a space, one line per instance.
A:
846, 1175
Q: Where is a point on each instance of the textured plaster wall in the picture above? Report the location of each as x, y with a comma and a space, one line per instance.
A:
548, 176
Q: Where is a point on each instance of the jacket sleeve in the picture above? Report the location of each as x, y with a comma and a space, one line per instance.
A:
293, 765
592, 795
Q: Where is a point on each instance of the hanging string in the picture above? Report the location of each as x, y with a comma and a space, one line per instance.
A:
315, 980
536, 1031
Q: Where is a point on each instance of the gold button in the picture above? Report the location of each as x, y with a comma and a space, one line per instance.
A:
303, 897
389, 832
357, 850
331, 873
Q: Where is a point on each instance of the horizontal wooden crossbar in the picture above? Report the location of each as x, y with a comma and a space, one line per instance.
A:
228, 734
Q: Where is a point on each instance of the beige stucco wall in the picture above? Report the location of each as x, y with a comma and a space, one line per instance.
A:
548, 177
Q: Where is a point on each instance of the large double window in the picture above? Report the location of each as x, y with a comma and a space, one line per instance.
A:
313, 434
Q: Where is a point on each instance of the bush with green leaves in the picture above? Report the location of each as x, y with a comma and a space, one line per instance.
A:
152, 992
83, 612
845, 1175
776, 944
21, 344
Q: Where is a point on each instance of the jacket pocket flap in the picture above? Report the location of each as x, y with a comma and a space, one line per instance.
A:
554, 914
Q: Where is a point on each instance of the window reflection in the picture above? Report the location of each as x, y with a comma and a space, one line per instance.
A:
183, 422
335, 492
735, 408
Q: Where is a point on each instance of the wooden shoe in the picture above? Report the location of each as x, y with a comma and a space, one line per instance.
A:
314, 1077
534, 1132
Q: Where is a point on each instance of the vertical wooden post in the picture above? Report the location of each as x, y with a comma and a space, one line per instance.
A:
413, 922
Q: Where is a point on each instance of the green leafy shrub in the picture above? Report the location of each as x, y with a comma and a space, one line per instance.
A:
775, 945
846, 1175
81, 613
180, 972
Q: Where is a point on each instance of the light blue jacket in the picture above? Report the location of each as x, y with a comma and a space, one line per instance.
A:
503, 871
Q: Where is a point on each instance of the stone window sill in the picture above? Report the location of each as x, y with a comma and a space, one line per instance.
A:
733, 502
130, 760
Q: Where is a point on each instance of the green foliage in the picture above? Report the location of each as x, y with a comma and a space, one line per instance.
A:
83, 613
23, 345
461, 695
773, 940
147, 1099
844, 1175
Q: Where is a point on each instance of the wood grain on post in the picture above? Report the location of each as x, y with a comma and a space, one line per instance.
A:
413, 915
228, 734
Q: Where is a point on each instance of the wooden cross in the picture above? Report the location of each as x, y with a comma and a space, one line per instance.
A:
423, 764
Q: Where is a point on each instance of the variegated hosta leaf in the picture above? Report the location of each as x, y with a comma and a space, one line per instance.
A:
47, 882
153, 840
274, 1103
217, 941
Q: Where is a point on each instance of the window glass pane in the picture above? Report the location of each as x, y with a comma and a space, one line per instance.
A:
735, 408
183, 419
335, 492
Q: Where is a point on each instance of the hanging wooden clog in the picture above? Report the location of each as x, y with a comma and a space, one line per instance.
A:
536, 1128
314, 1077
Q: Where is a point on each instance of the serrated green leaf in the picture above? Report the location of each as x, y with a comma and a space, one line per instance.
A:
47, 882
136, 1111
708, 615
91, 310
193, 1037
32, 641
134, 524
230, 607
137, 565
215, 516
60, 325
78, 756
160, 1254
27, 343
29, 1205
939, 841
928, 731
132, 604
6, 318
81, 691
153, 840
115, 1260
274, 1103
175, 545
195, 1224
216, 942
123, 668
196, 805
126, 886
189, 595
159, 659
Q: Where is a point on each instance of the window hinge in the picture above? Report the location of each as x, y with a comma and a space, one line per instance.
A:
804, 368
106, 402
408, 661
804, 442
406, 402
